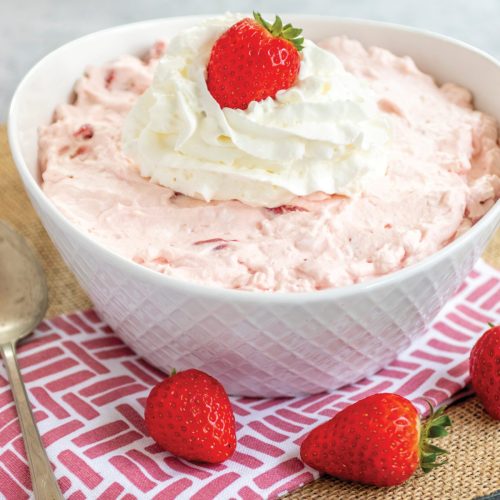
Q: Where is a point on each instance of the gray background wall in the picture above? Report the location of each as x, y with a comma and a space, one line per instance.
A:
31, 28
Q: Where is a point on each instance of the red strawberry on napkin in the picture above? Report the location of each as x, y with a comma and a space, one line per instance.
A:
485, 370
252, 60
379, 440
189, 415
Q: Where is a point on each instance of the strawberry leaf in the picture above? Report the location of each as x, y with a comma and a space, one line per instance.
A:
258, 17
437, 431
430, 448
276, 29
435, 427
430, 466
292, 32
442, 420
287, 32
428, 458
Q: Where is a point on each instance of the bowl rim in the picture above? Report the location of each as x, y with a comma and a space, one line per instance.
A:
143, 273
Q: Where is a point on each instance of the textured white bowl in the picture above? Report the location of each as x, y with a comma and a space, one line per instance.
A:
256, 344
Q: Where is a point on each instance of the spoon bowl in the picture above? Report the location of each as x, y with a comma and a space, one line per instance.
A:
23, 290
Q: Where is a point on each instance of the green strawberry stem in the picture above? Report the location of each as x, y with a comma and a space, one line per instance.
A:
287, 32
434, 427
173, 372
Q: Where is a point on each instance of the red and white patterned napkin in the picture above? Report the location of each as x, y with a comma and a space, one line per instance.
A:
88, 391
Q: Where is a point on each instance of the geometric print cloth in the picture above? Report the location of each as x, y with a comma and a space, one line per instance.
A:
88, 392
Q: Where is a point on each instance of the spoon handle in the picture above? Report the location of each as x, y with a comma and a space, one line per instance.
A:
44, 483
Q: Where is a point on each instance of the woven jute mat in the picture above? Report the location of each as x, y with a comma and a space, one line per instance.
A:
473, 467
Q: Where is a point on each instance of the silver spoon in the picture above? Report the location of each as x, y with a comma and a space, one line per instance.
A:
23, 303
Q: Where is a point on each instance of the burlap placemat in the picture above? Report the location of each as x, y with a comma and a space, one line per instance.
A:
474, 461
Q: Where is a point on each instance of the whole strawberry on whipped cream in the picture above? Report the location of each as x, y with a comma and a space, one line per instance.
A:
322, 131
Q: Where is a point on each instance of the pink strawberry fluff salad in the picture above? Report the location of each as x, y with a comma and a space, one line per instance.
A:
364, 167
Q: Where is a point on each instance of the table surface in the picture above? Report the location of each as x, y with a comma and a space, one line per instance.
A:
29, 29
474, 444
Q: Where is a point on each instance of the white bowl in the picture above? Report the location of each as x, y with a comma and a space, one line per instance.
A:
256, 344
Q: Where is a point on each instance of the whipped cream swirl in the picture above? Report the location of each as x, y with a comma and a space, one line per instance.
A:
324, 134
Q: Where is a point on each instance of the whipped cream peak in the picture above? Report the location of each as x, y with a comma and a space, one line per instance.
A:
324, 134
